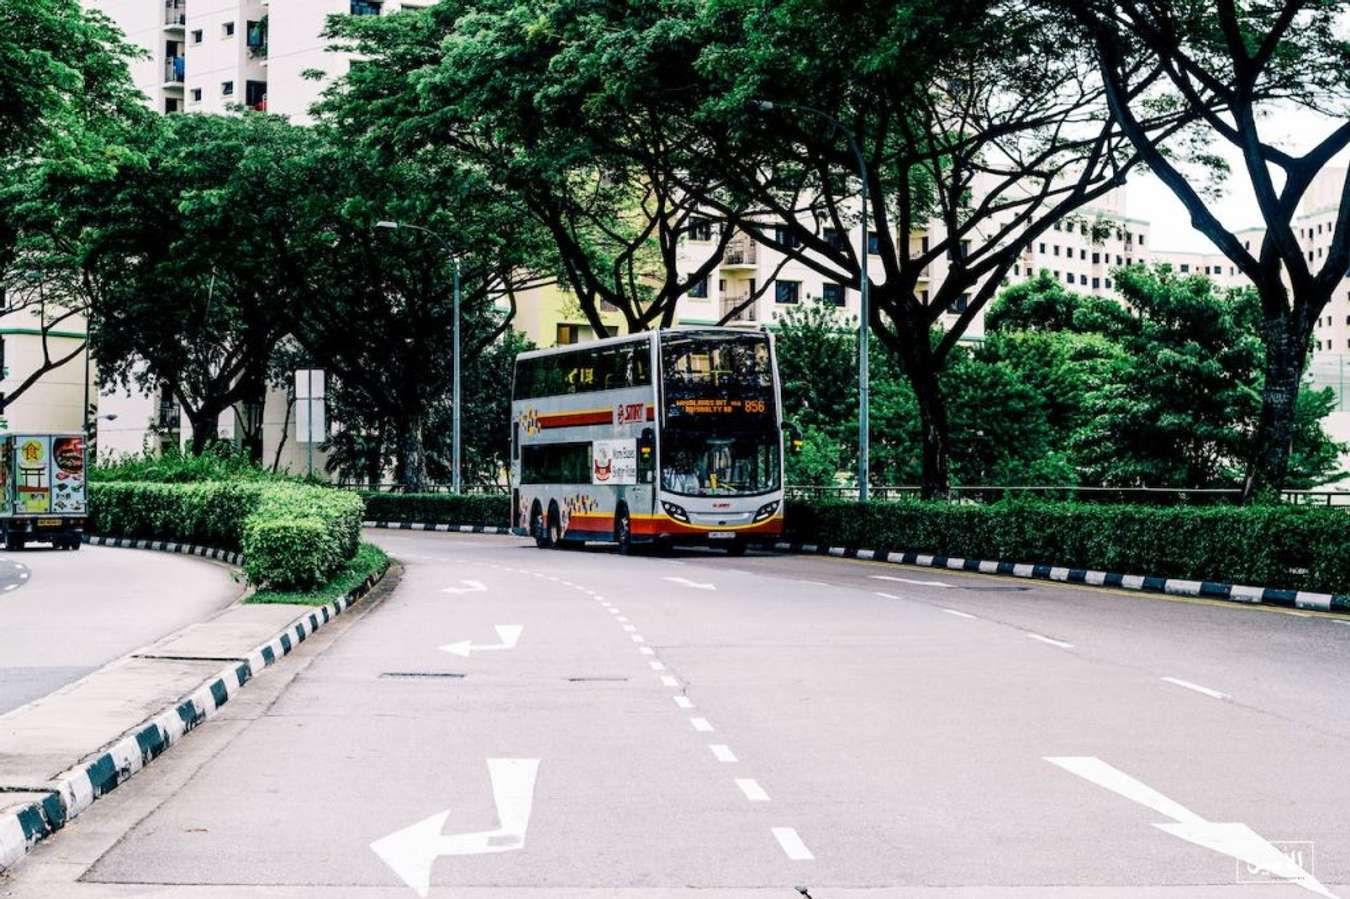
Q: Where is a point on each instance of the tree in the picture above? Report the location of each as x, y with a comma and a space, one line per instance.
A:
1227, 64
493, 84
195, 246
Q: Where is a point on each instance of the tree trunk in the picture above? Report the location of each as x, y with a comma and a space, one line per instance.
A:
411, 471
205, 429
1286, 348
935, 482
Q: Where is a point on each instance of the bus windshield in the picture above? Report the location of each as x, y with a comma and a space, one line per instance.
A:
721, 433
694, 463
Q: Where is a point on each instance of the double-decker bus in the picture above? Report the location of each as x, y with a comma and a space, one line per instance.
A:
663, 437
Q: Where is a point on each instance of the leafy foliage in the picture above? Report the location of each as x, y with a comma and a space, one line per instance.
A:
493, 510
369, 562
1265, 545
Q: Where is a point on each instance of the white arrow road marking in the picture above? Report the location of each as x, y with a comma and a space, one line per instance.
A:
469, 587
1235, 840
412, 851
907, 580
508, 633
688, 583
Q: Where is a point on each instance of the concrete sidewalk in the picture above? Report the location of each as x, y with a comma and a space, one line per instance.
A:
61, 752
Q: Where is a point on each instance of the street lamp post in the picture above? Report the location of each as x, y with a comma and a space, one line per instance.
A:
864, 450
455, 479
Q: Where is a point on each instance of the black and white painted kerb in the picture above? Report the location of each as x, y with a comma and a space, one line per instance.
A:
168, 546
74, 790
433, 526
1267, 596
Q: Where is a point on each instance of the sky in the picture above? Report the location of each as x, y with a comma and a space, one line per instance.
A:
1149, 199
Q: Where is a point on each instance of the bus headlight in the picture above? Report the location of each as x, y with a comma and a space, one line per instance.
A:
675, 512
766, 511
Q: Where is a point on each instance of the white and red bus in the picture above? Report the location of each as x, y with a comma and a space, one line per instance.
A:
663, 437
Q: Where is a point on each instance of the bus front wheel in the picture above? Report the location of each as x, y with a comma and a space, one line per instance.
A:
623, 531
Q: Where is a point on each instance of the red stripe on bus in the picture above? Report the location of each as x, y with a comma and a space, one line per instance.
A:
576, 419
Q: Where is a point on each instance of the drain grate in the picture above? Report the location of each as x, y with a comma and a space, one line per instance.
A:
421, 675
596, 680
1008, 589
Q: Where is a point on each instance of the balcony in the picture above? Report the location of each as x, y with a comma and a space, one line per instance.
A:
747, 315
175, 13
257, 39
175, 69
740, 252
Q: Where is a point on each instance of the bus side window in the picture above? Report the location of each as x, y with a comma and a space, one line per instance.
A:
646, 462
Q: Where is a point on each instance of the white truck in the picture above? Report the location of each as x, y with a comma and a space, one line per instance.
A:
45, 498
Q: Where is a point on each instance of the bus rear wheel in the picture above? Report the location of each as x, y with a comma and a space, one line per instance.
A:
623, 531
555, 537
537, 527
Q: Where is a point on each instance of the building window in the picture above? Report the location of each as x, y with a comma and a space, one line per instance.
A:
958, 305
197, 36
366, 7
172, 104
227, 30
965, 250
835, 238
196, 95
1017, 269
785, 237
699, 289
1056, 226
832, 293
1185, 269
1119, 261
1096, 283
1055, 248
568, 334
1069, 277
786, 291
700, 229
255, 95
1141, 240
227, 88
1096, 258
1108, 283
1058, 276
873, 243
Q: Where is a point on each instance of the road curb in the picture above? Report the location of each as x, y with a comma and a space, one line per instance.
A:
168, 546
24, 825
1265, 596
433, 526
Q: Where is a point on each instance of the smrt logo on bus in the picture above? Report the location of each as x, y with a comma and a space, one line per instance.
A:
627, 413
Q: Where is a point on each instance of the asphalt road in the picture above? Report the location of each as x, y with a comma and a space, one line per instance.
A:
65, 614
643, 727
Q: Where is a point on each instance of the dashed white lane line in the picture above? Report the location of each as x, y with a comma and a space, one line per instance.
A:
958, 614
886, 595
638, 638
908, 580
722, 752
646, 650
684, 702
1060, 643
752, 790
630, 627
657, 666
622, 619
1213, 694
613, 611
669, 680
701, 725
792, 844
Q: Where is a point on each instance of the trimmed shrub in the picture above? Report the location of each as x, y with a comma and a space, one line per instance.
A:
442, 508
1290, 547
292, 535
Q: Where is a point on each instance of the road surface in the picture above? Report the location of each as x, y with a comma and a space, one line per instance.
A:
510, 722
65, 614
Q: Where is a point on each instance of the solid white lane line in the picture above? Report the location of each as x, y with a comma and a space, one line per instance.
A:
684, 702
657, 666
688, 583
669, 680
958, 614
792, 844
646, 650
701, 725
722, 752
752, 790
886, 595
1060, 643
908, 580
1213, 694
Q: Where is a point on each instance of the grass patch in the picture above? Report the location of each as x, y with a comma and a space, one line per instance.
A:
369, 559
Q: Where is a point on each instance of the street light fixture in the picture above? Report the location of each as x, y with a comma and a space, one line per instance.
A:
455, 479
864, 449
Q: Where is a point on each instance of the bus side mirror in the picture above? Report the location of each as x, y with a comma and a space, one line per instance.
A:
646, 460
794, 437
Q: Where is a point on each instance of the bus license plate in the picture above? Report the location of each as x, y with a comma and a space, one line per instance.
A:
721, 535
49, 522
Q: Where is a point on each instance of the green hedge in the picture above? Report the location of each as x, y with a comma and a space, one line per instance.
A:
1282, 546
292, 535
442, 508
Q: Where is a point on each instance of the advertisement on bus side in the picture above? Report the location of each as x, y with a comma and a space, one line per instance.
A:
614, 462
